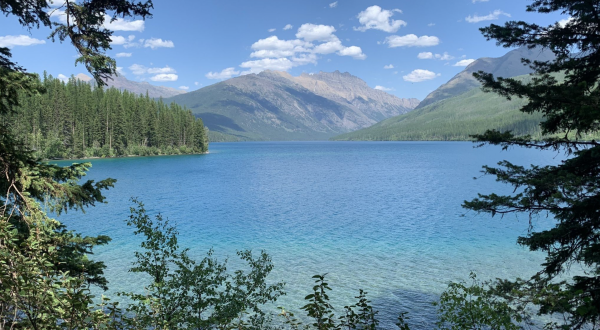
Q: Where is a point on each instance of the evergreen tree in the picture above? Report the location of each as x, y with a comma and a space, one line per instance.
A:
570, 191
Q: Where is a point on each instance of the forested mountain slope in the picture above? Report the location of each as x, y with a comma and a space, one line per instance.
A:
274, 105
509, 65
454, 118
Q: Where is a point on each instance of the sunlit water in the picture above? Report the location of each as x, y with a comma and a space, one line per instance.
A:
385, 217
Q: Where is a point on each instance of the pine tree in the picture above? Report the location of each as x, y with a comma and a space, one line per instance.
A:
570, 191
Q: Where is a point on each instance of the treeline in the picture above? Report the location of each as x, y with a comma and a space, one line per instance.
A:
76, 120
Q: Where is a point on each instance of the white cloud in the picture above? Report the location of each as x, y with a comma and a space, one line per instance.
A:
278, 64
272, 30
431, 24
425, 56
157, 43
389, 66
139, 70
20, 40
329, 47
165, 77
312, 32
288, 27
563, 22
491, 17
464, 62
123, 55
304, 59
476, 1
225, 74
61, 15
354, 51
379, 19
120, 70
62, 77
166, 69
444, 57
274, 47
185, 88
411, 40
123, 24
420, 75
196, 83
333, 4
385, 89
122, 41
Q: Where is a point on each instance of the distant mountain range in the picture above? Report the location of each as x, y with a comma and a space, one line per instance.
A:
459, 108
275, 105
123, 83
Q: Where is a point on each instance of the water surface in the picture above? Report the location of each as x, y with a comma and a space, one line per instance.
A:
382, 216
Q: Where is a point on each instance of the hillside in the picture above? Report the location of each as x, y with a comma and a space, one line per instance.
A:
275, 105
506, 66
454, 118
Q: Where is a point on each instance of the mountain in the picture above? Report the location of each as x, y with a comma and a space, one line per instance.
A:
275, 105
459, 108
453, 119
123, 83
506, 66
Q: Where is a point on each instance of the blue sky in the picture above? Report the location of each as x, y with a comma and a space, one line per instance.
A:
408, 48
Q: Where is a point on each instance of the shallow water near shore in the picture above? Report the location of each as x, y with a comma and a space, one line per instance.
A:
382, 216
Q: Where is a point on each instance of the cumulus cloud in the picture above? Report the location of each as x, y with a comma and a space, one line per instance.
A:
333, 4
20, 40
464, 62
304, 59
444, 57
411, 40
329, 47
389, 66
288, 27
275, 47
311, 32
354, 51
272, 30
158, 43
425, 55
273, 53
431, 24
123, 55
62, 77
123, 25
564, 22
196, 83
185, 88
419, 75
120, 40
139, 70
165, 77
385, 89
491, 17
278, 64
379, 19
225, 74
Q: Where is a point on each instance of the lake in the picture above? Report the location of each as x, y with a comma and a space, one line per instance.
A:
382, 216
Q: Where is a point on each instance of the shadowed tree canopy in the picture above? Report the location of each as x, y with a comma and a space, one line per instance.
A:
568, 192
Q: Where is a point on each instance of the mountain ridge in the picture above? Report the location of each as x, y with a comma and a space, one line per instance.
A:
274, 105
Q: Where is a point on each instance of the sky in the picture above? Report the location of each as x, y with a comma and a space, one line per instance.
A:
407, 48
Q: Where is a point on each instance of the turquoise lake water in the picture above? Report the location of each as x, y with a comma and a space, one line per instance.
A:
382, 216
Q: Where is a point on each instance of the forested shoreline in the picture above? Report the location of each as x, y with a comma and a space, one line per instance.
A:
75, 119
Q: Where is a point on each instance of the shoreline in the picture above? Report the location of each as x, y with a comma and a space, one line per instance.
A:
128, 156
